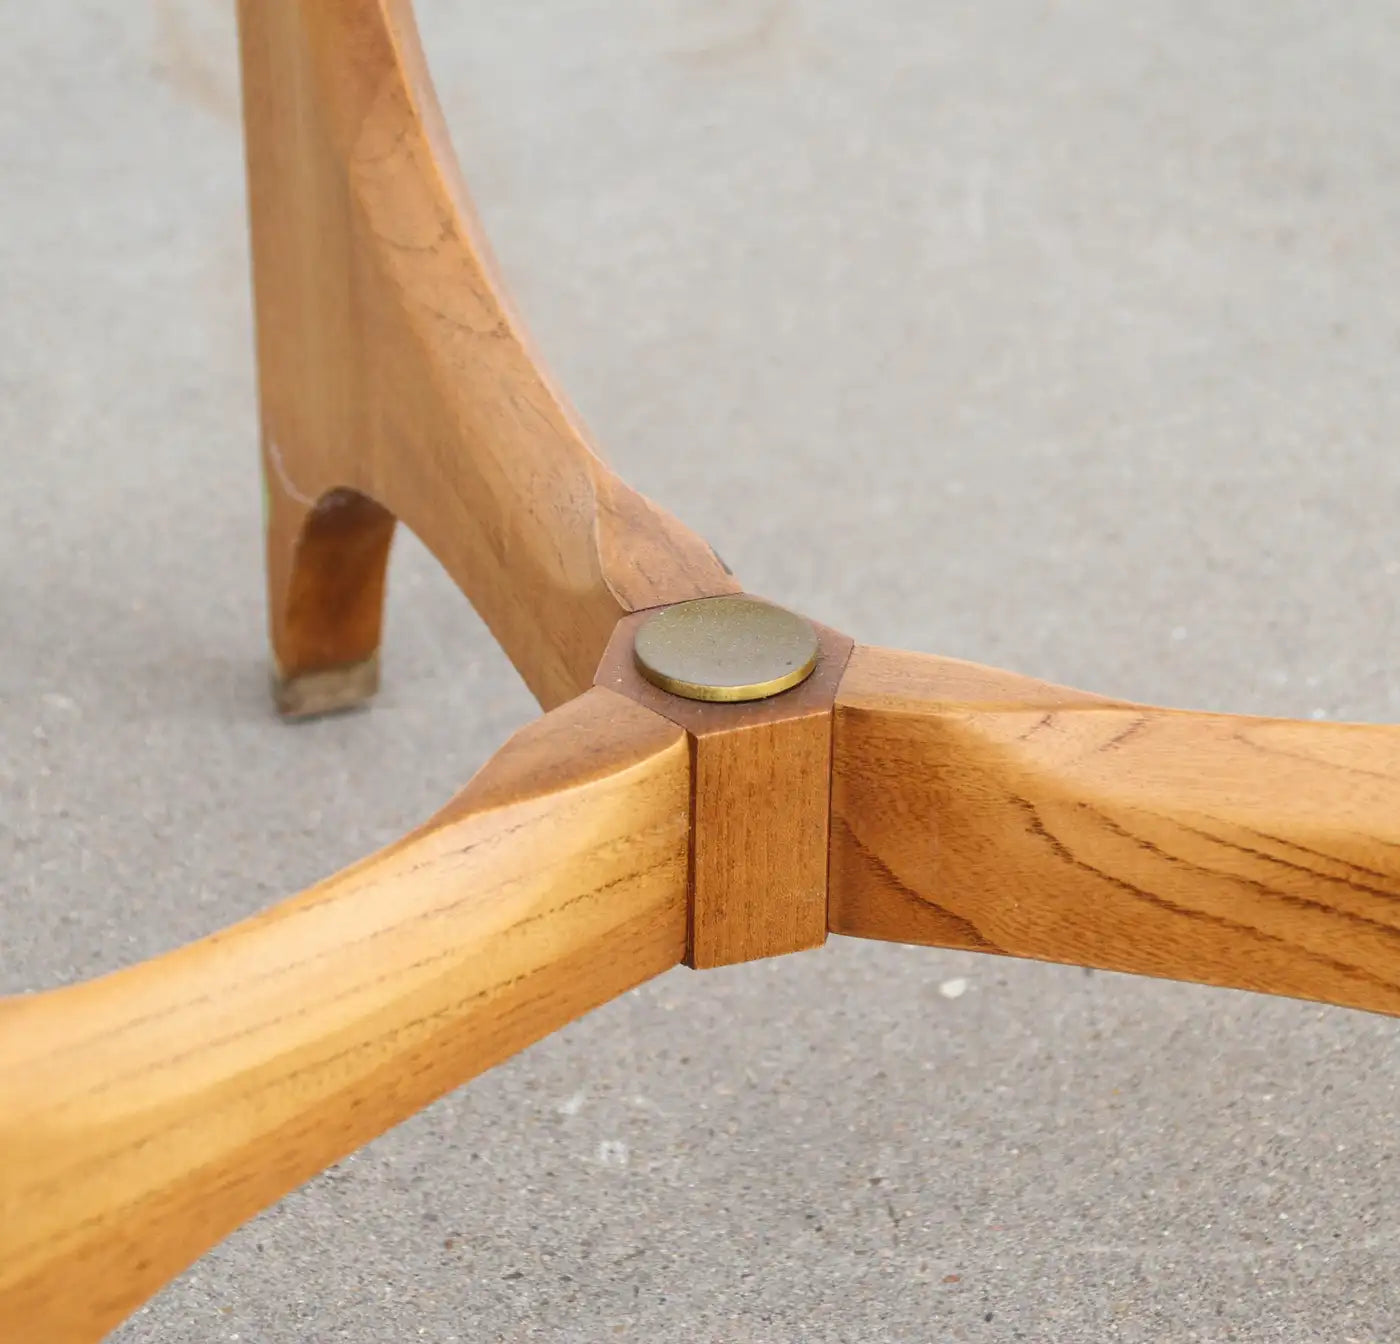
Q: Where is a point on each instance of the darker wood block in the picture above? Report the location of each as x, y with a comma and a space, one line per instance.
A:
760, 805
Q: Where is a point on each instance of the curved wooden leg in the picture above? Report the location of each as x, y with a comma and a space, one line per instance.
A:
974, 808
390, 365
148, 1113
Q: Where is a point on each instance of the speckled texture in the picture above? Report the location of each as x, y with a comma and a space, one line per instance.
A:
1062, 336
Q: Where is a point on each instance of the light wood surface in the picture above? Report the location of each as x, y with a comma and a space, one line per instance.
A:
974, 808
148, 1113
760, 805
391, 369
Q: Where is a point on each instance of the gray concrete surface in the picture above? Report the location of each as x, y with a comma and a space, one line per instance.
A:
1062, 336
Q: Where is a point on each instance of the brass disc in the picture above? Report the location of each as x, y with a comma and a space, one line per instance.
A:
726, 648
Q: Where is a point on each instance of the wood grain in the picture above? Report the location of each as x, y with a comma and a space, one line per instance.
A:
391, 368
973, 808
148, 1113
760, 808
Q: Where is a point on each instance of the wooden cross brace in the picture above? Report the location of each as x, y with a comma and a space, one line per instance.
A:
146, 1114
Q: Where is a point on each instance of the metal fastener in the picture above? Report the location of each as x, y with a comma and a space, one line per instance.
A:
726, 648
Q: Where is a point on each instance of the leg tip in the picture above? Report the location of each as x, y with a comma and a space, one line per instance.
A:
329, 691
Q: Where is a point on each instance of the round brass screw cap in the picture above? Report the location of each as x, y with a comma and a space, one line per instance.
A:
726, 648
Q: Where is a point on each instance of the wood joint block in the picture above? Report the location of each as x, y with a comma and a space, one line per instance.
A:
760, 804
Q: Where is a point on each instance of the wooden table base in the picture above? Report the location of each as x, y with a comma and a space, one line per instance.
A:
146, 1114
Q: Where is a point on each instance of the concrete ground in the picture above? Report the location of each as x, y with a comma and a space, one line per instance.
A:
1061, 336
